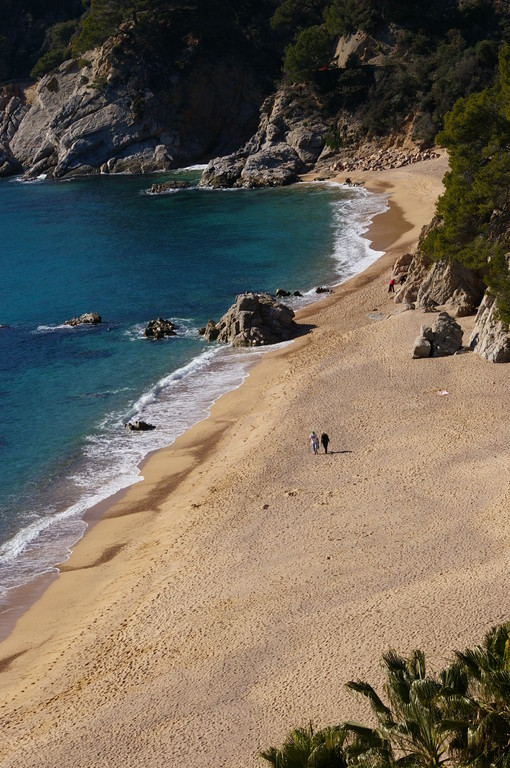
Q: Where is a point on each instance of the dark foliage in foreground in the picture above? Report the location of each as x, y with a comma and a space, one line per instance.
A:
458, 717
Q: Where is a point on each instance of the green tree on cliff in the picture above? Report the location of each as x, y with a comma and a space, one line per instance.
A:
477, 135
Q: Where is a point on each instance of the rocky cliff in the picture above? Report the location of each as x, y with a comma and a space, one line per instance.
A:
107, 113
288, 142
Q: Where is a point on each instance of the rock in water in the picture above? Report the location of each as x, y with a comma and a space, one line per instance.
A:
168, 186
254, 320
139, 426
88, 318
289, 139
159, 329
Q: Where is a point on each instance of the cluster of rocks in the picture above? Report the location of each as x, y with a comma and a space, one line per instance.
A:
88, 318
256, 319
445, 338
163, 187
384, 159
159, 329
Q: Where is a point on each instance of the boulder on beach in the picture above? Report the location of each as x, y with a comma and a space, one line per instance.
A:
254, 320
444, 339
88, 318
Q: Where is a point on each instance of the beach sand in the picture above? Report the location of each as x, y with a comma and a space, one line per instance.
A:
229, 596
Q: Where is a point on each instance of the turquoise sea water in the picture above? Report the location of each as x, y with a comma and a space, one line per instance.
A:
104, 245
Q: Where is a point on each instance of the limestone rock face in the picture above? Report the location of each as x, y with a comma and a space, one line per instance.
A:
490, 338
163, 187
430, 283
453, 285
88, 318
254, 320
82, 122
12, 111
289, 139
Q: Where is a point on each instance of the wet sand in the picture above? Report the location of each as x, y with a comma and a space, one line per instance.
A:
229, 596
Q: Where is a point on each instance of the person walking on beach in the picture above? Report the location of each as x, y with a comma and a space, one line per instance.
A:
325, 441
314, 441
391, 285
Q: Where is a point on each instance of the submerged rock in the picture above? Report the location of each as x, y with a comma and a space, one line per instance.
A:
168, 186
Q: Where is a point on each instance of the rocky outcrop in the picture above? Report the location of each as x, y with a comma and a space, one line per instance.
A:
288, 142
254, 320
110, 113
445, 338
431, 283
490, 338
88, 318
452, 285
159, 329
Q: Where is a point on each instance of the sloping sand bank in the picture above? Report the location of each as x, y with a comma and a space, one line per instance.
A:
229, 596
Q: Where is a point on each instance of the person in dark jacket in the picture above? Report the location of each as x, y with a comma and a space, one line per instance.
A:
325, 441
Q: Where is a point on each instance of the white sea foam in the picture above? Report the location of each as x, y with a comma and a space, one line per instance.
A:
199, 167
53, 328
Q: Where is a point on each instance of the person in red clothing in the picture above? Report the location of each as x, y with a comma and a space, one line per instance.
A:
391, 285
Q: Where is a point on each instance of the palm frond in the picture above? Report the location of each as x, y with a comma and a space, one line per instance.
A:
366, 690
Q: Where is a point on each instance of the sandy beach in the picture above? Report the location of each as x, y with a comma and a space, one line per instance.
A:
230, 595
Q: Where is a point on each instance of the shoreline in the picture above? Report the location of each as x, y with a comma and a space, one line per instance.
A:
23, 596
227, 597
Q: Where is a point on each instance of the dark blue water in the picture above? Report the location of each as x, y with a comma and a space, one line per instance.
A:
104, 245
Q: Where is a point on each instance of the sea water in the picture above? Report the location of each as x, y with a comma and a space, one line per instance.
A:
106, 245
